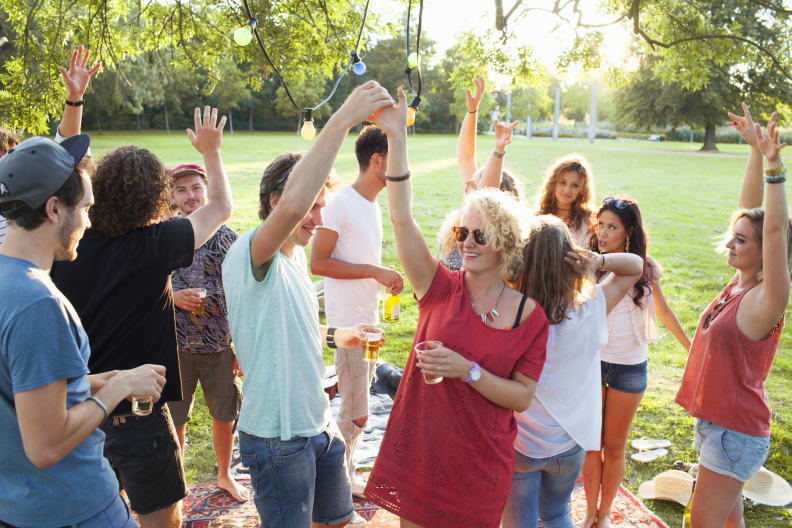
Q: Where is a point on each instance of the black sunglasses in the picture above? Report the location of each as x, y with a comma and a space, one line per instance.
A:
715, 311
461, 234
618, 204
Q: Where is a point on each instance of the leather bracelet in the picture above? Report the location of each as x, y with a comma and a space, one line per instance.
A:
101, 405
472, 111
779, 178
498, 154
330, 338
602, 266
397, 178
75, 103
777, 171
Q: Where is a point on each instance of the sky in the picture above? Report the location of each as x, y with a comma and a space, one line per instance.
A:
445, 20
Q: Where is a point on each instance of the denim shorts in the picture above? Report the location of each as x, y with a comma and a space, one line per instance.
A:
624, 378
114, 516
299, 481
729, 452
145, 455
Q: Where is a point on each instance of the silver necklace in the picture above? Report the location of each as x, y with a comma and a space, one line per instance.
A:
492, 314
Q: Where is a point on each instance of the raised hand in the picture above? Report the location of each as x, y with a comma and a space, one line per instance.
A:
208, 135
363, 103
474, 99
393, 118
584, 261
77, 76
768, 142
503, 134
745, 125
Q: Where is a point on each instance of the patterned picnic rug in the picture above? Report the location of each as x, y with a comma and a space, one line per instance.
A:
207, 506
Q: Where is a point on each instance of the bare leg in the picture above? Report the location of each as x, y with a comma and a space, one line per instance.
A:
170, 517
620, 408
592, 477
180, 431
717, 501
223, 436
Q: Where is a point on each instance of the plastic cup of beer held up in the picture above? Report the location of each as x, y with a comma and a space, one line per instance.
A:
202, 295
422, 347
374, 336
142, 405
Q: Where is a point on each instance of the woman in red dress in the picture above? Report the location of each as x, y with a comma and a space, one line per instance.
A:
447, 457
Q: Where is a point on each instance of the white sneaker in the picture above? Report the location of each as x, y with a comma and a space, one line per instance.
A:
357, 520
358, 486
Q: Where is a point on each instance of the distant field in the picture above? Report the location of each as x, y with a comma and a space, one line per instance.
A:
686, 198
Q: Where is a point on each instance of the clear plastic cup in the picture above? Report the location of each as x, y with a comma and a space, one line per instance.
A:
373, 342
202, 295
422, 347
142, 405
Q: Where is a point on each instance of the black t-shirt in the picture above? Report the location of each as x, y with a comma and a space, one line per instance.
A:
120, 287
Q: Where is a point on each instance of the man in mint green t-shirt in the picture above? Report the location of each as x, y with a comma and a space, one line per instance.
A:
287, 437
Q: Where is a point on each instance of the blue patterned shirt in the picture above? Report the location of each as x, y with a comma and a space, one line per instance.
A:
207, 333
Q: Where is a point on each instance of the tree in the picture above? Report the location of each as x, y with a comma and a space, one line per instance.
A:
304, 38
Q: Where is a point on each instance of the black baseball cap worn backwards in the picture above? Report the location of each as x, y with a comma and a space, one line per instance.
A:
35, 169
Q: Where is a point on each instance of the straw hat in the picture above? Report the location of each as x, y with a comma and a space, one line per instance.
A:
673, 485
765, 487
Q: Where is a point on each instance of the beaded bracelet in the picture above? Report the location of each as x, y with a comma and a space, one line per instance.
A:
778, 178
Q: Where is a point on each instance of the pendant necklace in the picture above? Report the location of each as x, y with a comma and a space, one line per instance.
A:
492, 314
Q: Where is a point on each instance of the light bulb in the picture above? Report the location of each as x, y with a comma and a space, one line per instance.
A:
359, 68
243, 35
308, 130
411, 111
412, 60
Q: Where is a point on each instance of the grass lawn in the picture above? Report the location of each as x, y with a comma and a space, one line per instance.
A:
686, 198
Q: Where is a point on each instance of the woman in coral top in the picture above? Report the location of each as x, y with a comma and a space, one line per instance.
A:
737, 337
447, 456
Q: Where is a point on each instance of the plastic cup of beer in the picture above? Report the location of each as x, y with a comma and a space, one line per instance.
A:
142, 405
422, 347
373, 342
202, 295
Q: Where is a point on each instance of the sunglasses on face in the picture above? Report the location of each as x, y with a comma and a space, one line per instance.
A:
615, 202
461, 234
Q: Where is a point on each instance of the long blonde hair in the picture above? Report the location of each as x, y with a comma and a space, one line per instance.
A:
555, 285
583, 207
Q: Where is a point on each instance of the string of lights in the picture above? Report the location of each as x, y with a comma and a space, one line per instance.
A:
244, 35
414, 63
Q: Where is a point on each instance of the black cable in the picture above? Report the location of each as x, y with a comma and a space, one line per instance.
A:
280, 77
409, 70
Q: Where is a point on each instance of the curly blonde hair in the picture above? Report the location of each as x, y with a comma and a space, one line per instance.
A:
503, 223
582, 209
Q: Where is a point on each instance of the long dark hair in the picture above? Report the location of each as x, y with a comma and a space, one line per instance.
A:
630, 216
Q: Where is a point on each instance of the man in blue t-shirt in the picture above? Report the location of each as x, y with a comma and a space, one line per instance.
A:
52, 472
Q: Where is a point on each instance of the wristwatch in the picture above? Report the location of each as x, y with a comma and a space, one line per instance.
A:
330, 338
474, 374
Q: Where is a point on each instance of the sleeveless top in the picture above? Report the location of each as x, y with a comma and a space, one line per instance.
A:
726, 370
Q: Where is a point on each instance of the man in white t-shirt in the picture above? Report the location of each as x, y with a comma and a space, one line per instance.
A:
347, 251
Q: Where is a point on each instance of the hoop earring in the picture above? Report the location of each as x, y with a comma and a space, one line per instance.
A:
627, 246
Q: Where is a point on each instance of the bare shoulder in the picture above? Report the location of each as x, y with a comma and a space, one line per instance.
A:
514, 298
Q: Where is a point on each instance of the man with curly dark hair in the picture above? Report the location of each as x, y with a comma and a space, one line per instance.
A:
120, 286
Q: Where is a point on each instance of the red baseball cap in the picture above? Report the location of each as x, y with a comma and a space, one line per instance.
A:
187, 170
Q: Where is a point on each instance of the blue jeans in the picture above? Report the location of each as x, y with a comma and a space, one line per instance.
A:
542, 487
299, 481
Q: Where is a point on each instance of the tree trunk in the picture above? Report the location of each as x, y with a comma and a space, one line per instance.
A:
231, 122
250, 119
167, 124
709, 138
138, 121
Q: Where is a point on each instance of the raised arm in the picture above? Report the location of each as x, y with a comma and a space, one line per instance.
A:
667, 316
751, 191
207, 139
773, 292
417, 261
626, 269
466, 145
309, 175
50, 431
76, 78
491, 175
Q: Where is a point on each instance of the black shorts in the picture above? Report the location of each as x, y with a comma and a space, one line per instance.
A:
144, 453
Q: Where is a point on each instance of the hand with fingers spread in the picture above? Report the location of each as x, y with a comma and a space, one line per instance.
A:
208, 134
444, 362
503, 134
745, 125
363, 103
584, 261
393, 118
474, 99
77, 76
768, 142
